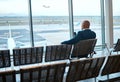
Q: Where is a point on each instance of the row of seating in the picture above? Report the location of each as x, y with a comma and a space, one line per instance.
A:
61, 72
32, 55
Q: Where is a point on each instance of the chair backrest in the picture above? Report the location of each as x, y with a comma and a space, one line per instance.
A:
57, 52
84, 47
23, 56
84, 69
117, 46
44, 73
8, 76
5, 58
112, 65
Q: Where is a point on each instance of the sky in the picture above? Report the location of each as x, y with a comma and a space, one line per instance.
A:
53, 7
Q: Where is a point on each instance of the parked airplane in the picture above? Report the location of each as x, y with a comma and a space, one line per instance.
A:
10, 40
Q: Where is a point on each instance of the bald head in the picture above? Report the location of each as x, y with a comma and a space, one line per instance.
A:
85, 24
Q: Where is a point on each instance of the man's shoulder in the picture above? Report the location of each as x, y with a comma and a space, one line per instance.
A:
80, 31
86, 31
93, 32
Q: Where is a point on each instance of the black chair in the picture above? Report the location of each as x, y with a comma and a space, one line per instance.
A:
57, 52
84, 69
8, 76
84, 48
116, 47
5, 58
44, 73
112, 66
24, 56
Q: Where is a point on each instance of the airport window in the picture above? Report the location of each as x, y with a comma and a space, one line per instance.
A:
50, 21
14, 24
88, 10
116, 20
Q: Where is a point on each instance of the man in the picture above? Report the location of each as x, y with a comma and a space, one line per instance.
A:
86, 33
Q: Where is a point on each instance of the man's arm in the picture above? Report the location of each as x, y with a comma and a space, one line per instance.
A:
73, 40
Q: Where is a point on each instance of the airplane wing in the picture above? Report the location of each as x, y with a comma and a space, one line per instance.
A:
3, 38
18, 42
18, 36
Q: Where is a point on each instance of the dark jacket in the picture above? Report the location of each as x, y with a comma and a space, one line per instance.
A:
81, 35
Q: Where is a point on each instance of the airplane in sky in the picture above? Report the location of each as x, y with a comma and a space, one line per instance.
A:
45, 6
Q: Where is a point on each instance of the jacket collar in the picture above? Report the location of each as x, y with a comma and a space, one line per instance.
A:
86, 29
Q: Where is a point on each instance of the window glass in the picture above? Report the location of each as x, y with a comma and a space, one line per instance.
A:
116, 20
50, 21
88, 10
14, 24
